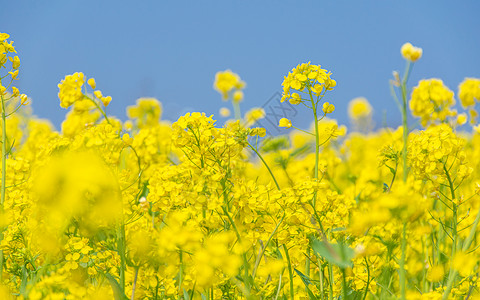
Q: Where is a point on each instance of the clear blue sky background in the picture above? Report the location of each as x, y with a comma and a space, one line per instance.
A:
171, 50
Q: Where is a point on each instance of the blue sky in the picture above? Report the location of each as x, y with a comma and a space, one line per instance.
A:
171, 50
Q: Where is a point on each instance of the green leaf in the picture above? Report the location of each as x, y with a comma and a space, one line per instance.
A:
186, 296
117, 289
306, 281
338, 254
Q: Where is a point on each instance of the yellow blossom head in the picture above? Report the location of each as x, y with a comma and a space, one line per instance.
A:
411, 53
71, 89
432, 101
284, 122
228, 81
303, 78
359, 108
224, 112
469, 91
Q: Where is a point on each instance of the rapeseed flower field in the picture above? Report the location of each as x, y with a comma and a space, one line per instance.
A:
149, 209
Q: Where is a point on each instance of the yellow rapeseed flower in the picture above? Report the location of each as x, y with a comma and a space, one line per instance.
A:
284, 122
411, 53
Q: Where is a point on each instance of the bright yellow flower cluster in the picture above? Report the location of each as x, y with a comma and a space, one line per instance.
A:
6, 49
469, 94
227, 83
71, 89
437, 153
147, 209
147, 112
411, 53
359, 108
303, 78
432, 101
469, 91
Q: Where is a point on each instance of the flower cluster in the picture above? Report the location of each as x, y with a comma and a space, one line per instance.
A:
410, 52
147, 209
229, 85
432, 101
306, 78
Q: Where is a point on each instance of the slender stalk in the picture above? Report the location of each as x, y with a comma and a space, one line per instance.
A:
134, 285
236, 109
245, 260
344, 284
4, 174
121, 248
453, 273
330, 281
317, 142
405, 119
4, 153
402, 263
290, 271
265, 163
100, 109
257, 263
180, 277
368, 279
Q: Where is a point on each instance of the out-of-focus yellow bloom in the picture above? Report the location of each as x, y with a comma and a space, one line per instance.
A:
15, 62
71, 89
106, 100
432, 101
127, 139
98, 94
237, 96
253, 115
224, 112
284, 122
464, 263
147, 112
91, 82
14, 75
258, 131
462, 119
411, 53
4, 36
435, 273
328, 108
359, 108
15, 91
227, 81
469, 91
24, 99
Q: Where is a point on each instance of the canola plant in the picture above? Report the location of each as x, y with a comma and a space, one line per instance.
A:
148, 209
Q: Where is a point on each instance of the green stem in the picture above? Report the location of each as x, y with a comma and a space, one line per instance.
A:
257, 263
317, 140
4, 176
330, 281
368, 279
454, 210
290, 271
180, 278
236, 109
4, 154
344, 284
402, 263
405, 119
121, 248
245, 260
453, 273
100, 109
134, 285
265, 163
